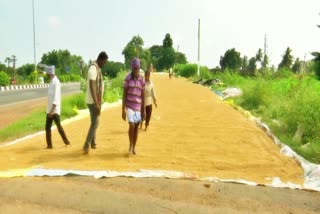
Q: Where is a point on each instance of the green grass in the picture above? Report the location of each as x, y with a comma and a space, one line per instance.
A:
71, 104
114, 88
28, 125
292, 101
35, 121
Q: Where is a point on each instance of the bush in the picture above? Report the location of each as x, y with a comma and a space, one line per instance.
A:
284, 104
83, 85
255, 96
283, 73
185, 70
190, 70
71, 104
114, 87
303, 109
205, 73
4, 79
316, 68
33, 77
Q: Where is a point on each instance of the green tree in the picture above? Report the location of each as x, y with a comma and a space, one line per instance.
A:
296, 66
111, 69
287, 59
145, 59
133, 49
3, 67
316, 61
244, 65
9, 70
25, 70
8, 61
63, 60
168, 55
167, 59
4, 79
181, 58
259, 55
265, 62
231, 60
167, 41
252, 67
156, 54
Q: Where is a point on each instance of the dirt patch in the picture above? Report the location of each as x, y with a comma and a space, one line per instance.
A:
152, 195
13, 112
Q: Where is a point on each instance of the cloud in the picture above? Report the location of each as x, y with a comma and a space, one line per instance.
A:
54, 21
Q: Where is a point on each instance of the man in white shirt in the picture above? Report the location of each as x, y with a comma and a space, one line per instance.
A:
53, 108
94, 94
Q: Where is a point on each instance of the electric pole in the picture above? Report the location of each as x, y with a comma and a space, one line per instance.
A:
265, 45
198, 47
34, 38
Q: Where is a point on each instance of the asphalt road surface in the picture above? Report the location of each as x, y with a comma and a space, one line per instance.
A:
17, 96
16, 104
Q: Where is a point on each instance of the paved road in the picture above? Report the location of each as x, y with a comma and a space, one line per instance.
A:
17, 96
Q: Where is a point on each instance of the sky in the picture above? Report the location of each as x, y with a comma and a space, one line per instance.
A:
86, 27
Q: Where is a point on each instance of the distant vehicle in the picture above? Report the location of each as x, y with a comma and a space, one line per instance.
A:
13, 81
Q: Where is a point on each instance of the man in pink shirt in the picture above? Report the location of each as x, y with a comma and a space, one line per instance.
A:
133, 103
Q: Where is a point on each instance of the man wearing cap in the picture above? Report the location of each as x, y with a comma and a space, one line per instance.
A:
133, 103
94, 96
53, 108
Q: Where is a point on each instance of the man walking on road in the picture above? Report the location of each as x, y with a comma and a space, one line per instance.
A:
94, 96
54, 106
133, 103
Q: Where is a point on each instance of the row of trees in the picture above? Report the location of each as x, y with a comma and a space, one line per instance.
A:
161, 56
232, 60
317, 62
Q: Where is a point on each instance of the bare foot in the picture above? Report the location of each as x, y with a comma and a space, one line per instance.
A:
134, 152
130, 154
85, 151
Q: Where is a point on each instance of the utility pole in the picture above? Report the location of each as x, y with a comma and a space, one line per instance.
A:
304, 63
198, 47
14, 59
265, 45
34, 39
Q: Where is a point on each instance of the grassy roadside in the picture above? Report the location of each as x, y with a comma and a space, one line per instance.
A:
290, 106
35, 121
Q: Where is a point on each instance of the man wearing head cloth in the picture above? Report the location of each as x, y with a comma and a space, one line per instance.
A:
54, 107
133, 103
